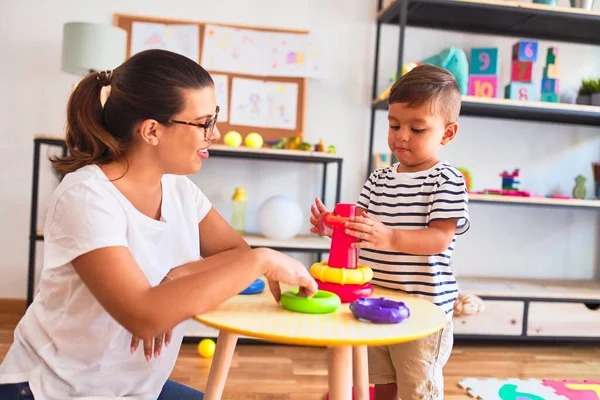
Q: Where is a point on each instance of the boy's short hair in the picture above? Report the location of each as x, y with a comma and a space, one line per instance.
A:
428, 83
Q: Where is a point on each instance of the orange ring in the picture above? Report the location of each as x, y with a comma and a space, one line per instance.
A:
336, 220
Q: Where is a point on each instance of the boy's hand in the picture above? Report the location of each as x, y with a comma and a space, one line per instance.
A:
371, 232
319, 212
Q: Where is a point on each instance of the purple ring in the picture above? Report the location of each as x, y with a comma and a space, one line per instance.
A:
379, 311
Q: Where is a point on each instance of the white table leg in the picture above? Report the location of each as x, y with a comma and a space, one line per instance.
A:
339, 363
360, 369
220, 365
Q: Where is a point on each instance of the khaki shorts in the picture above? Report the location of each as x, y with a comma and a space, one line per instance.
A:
416, 366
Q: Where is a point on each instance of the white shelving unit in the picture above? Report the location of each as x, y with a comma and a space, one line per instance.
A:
521, 309
533, 201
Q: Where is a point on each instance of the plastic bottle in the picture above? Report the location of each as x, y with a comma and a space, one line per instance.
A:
238, 210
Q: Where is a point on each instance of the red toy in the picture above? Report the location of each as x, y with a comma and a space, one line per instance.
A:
341, 274
342, 254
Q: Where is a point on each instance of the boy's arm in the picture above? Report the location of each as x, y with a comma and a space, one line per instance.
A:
373, 234
432, 240
448, 216
364, 198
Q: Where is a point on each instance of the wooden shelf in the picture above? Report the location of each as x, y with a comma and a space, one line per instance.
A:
265, 153
536, 289
520, 110
299, 243
499, 17
533, 201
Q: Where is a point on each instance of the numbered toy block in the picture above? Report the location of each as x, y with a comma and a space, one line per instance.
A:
552, 71
484, 61
483, 85
525, 50
550, 97
521, 91
552, 55
550, 85
521, 71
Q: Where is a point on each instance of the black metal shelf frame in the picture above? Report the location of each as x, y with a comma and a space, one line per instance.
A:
35, 236
527, 112
488, 18
496, 19
545, 23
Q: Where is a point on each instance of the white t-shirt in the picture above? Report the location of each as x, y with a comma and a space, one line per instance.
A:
67, 346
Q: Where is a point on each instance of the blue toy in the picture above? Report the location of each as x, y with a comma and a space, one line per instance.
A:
525, 50
509, 180
256, 287
455, 61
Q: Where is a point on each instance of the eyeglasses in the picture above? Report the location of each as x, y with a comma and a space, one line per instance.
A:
209, 126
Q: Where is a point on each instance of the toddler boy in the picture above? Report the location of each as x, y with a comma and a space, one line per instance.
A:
410, 215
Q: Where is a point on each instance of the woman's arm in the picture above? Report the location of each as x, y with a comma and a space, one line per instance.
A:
218, 240
217, 236
114, 278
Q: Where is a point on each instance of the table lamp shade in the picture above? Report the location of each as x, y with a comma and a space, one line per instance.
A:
90, 47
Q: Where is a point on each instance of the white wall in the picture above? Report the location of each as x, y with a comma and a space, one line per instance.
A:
510, 241
35, 91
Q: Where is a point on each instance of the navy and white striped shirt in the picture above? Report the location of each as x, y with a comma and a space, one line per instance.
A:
410, 200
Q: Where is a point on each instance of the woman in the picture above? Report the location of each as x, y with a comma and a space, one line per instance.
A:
132, 247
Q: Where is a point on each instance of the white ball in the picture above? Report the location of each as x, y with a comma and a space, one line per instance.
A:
279, 218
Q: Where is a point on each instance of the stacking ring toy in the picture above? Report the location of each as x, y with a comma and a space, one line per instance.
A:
258, 286
343, 276
322, 302
379, 310
335, 221
347, 293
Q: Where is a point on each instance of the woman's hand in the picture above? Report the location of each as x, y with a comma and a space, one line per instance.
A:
372, 233
284, 269
153, 345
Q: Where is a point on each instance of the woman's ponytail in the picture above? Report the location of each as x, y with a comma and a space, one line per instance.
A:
87, 137
149, 85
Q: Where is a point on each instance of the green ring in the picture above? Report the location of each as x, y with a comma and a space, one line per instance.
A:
323, 302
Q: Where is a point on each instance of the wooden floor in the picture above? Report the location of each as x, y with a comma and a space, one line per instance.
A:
262, 372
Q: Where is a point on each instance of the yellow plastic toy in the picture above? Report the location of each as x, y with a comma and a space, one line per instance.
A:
254, 140
206, 348
343, 276
232, 138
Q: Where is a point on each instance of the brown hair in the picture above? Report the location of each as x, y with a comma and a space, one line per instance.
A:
428, 84
147, 85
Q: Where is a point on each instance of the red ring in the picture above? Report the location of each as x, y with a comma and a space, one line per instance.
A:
347, 293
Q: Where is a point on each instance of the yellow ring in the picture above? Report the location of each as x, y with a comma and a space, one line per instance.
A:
343, 276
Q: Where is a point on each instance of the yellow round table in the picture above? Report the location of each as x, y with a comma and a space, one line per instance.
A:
259, 316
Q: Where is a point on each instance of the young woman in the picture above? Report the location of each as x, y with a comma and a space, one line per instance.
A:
132, 247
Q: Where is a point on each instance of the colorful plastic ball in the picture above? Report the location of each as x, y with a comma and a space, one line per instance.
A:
232, 138
206, 348
254, 140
